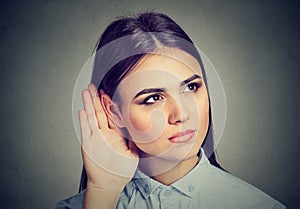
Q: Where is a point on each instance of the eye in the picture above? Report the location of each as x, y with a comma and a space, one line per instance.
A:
192, 87
152, 99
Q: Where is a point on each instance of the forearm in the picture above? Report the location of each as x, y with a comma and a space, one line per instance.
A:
96, 198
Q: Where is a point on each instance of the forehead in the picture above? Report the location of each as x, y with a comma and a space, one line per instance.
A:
174, 61
164, 69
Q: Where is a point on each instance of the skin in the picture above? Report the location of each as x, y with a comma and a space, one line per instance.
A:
98, 139
151, 119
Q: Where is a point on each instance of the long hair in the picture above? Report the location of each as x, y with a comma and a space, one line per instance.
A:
148, 32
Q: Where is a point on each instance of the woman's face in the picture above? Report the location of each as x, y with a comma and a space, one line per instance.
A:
164, 105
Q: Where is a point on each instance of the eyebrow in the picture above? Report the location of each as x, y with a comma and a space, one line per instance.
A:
156, 90
150, 90
190, 79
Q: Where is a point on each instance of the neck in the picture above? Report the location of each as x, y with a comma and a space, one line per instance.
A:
177, 169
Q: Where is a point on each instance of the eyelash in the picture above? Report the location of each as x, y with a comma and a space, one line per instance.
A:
159, 97
195, 85
146, 100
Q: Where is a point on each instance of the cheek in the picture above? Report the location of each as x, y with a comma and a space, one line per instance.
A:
145, 126
145, 120
155, 147
139, 119
204, 114
200, 113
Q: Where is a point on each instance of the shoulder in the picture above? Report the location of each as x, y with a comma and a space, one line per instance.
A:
236, 192
73, 202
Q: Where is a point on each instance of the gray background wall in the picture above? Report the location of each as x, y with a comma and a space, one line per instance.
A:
254, 45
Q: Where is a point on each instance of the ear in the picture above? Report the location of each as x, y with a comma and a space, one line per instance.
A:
111, 109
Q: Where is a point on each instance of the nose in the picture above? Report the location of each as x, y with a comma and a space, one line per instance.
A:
178, 113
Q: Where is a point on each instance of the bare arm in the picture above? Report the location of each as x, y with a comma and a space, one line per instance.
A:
109, 162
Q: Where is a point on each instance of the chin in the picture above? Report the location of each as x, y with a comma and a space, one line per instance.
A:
177, 153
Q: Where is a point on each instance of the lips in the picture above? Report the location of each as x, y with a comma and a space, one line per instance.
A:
181, 137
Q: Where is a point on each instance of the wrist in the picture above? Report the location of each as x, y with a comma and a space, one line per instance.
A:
116, 188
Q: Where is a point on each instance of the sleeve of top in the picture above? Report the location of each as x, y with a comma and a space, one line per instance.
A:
74, 202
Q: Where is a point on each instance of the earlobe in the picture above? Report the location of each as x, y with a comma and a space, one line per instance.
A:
111, 109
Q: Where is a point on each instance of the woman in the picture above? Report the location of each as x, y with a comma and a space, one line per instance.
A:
146, 127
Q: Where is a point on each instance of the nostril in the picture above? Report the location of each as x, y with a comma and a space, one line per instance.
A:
178, 118
177, 111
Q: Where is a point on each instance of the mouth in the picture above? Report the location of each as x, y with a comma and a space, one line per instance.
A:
182, 137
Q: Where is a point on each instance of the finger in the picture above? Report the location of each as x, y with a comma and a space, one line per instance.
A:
93, 90
89, 109
84, 126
